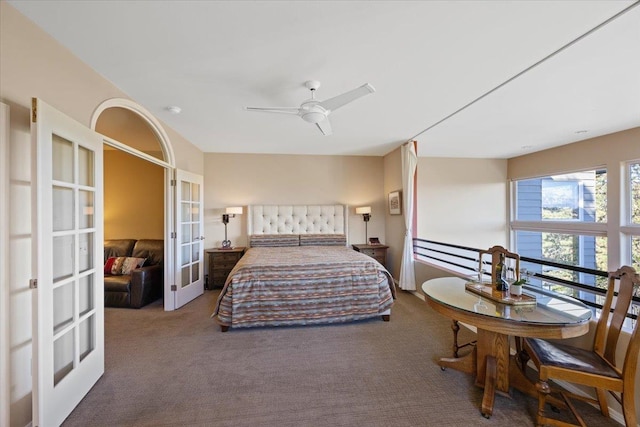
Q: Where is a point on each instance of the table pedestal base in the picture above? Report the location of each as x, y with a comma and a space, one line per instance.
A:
495, 369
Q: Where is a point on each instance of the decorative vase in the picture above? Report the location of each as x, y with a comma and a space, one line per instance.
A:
516, 290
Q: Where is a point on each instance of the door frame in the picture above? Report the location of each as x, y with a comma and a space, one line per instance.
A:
5, 380
169, 181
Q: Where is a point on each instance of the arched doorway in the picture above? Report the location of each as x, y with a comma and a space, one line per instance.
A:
135, 143
141, 113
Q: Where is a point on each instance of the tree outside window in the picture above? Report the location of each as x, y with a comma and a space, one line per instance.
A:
634, 187
634, 174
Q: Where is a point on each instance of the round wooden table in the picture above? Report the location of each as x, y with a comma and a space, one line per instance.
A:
552, 316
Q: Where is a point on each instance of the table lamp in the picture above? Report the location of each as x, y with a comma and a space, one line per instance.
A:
365, 211
229, 212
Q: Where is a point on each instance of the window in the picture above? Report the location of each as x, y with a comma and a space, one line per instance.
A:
577, 250
569, 197
560, 200
634, 190
561, 219
632, 231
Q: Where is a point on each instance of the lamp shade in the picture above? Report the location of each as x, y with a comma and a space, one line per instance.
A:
236, 210
363, 210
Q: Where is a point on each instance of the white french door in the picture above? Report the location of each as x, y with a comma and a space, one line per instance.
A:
189, 278
68, 297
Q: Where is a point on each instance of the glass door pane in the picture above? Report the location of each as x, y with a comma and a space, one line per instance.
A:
190, 241
62, 152
73, 254
63, 352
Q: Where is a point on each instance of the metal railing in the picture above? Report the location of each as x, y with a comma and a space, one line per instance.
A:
464, 261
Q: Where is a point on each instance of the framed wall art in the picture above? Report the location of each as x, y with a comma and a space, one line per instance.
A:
395, 202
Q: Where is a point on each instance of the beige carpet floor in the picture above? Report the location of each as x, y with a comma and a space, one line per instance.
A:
178, 369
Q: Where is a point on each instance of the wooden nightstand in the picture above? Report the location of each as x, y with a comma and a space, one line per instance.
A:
221, 262
378, 252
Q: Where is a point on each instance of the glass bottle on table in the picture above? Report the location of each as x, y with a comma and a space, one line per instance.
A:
501, 271
478, 281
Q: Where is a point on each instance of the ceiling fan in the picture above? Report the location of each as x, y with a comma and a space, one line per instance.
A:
314, 111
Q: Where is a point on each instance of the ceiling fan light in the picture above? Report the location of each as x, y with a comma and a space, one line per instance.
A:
313, 117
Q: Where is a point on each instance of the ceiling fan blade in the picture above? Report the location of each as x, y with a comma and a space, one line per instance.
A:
347, 97
325, 127
283, 110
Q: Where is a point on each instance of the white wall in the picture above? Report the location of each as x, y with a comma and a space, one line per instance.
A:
20, 241
5, 389
461, 201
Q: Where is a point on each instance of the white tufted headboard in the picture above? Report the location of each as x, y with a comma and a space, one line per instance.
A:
297, 219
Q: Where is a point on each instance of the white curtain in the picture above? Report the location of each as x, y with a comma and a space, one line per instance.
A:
409, 163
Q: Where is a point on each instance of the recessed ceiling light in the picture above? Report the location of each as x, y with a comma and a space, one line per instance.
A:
582, 131
527, 147
174, 109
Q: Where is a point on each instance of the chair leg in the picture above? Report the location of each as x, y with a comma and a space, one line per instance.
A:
602, 400
455, 327
543, 391
522, 355
629, 407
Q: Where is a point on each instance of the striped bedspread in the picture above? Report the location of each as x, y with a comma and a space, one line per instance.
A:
303, 285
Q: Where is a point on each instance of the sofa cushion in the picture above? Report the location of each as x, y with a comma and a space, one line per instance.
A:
118, 247
151, 249
117, 283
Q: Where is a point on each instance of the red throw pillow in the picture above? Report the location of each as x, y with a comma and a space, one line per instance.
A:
109, 265
118, 266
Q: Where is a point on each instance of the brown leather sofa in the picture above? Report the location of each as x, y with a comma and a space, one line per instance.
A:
144, 284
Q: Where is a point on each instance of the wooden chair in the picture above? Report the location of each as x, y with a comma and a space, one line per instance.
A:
597, 367
494, 252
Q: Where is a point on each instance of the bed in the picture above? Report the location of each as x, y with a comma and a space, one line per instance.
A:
299, 271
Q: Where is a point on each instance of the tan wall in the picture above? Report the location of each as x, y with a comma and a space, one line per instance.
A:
32, 64
394, 224
133, 197
245, 179
608, 150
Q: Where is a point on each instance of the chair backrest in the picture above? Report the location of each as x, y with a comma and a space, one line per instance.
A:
495, 252
608, 332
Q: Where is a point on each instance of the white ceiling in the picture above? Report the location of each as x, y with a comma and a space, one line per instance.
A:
426, 60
